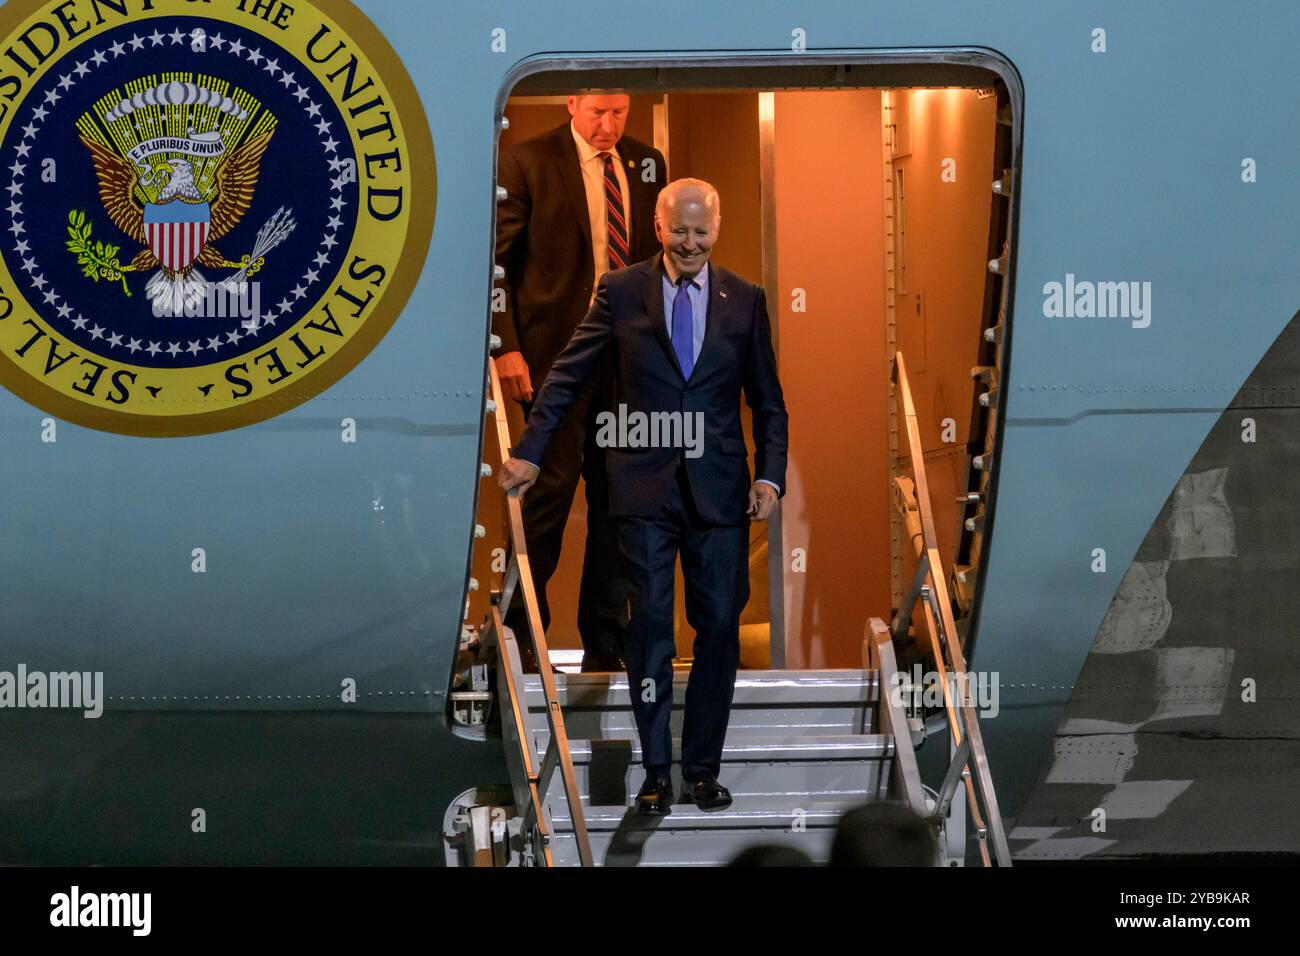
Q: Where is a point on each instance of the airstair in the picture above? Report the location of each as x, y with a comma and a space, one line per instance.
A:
802, 746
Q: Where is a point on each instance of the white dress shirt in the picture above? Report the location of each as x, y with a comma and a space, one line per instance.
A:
593, 181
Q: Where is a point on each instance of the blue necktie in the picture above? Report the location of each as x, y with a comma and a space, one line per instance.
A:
683, 327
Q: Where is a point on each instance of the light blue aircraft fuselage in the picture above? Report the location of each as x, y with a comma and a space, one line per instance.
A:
329, 561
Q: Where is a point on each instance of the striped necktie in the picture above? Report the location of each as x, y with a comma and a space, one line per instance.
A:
619, 254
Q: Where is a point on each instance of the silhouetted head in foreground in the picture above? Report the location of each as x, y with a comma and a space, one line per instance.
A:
771, 856
884, 834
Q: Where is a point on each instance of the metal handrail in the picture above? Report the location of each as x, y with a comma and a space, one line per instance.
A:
905, 776
518, 582
931, 588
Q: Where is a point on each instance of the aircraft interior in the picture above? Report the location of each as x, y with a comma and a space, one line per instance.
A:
867, 215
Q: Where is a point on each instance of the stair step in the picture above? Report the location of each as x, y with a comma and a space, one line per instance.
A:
620, 724
749, 812
847, 767
773, 688
618, 794
743, 745
686, 847
780, 702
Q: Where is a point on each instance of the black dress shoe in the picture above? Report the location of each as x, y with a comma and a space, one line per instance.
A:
706, 793
655, 798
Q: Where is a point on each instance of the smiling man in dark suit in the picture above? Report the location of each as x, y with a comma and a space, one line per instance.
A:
686, 339
579, 202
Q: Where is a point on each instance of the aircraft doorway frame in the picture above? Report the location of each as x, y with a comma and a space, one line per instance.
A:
883, 69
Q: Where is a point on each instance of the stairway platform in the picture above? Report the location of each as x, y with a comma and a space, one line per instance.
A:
758, 687
781, 703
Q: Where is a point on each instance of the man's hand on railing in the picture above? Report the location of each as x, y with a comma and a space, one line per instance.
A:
762, 501
516, 383
519, 474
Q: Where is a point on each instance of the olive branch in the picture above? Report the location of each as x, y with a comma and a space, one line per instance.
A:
97, 260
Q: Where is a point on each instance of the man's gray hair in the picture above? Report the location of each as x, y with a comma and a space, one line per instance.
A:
669, 194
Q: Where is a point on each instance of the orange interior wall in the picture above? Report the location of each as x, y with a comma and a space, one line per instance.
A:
940, 296
829, 243
714, 137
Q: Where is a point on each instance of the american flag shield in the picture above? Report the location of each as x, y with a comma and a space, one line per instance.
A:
176, 231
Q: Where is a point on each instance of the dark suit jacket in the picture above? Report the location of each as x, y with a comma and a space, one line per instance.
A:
626, 323
543, 240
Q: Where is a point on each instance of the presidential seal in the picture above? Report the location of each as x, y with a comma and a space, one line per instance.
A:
214, 210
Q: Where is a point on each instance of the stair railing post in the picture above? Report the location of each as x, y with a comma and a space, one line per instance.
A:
518, 585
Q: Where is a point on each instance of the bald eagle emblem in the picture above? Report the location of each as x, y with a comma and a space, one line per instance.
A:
177, 165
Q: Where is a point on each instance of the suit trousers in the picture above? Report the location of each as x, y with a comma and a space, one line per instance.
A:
602, 596
715, 568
